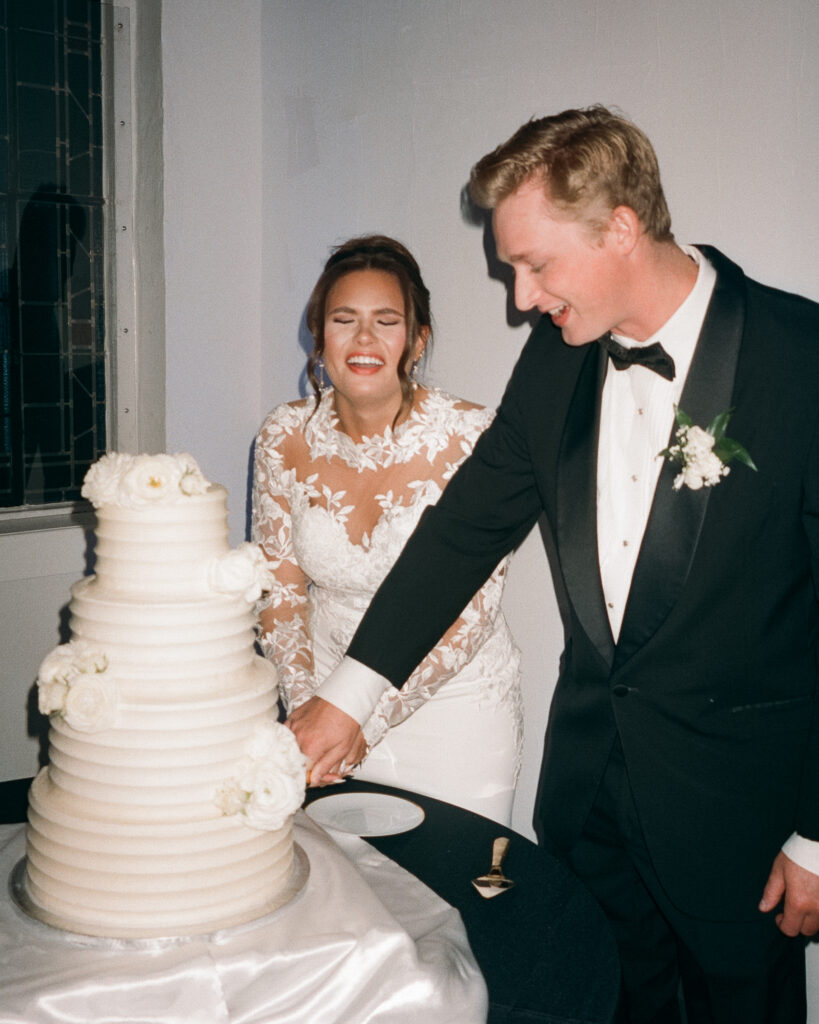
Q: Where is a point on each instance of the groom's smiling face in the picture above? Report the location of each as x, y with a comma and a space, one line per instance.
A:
563, 266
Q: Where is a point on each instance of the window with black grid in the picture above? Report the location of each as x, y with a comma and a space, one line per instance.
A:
52, 324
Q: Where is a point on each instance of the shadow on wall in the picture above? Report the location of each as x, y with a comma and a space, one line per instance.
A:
496, 268
36, 722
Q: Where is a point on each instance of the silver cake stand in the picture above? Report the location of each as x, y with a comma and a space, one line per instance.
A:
26, 906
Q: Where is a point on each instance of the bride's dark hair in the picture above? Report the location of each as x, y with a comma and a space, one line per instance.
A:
373, 252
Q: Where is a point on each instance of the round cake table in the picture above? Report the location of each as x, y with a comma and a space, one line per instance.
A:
544, 947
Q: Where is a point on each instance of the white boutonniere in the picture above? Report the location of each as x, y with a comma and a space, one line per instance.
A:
703, 454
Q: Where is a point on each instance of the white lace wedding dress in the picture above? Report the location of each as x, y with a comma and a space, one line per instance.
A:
332, 516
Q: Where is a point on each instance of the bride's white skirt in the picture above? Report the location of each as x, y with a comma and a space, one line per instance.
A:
456, 748
463, 745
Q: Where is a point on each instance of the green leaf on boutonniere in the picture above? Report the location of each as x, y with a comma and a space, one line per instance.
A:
718, 425
683, 419
727, 450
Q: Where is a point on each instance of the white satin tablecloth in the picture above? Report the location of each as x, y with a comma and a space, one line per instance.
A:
364, 942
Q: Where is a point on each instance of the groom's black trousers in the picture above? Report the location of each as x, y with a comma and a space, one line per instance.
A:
731, 973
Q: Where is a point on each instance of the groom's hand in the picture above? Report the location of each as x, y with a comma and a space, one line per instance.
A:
326, 735
800, 889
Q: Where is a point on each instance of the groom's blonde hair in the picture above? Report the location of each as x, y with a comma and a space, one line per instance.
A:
589, 161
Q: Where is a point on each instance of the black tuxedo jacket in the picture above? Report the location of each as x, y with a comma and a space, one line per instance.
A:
712, 686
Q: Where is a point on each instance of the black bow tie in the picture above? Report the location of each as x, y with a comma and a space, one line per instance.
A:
653, 357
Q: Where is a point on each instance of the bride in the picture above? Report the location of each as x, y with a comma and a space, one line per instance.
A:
340, 481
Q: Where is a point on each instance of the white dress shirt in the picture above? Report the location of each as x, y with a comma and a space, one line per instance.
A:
636, 417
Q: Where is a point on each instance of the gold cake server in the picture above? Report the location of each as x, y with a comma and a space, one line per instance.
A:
495, 882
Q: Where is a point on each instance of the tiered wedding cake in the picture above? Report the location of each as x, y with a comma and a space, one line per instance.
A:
167, 805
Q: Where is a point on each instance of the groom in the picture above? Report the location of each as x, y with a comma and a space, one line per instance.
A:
682, 750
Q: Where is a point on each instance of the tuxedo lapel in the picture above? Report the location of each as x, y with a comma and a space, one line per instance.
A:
577, 503
676, 517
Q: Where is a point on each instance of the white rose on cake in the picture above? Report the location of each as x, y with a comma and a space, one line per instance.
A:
272, 796
269, 783
101, 483
91, 703
135, 481
241, 571
151, 478
73, 682
58, 666
192, 480
68, 660
51, 696
275, 742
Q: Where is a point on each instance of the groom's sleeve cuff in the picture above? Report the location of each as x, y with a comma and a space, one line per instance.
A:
804, 852
353, 688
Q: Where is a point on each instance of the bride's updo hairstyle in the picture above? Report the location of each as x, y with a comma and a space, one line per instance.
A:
373, 252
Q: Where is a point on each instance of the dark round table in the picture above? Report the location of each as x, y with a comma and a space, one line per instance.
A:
544, 946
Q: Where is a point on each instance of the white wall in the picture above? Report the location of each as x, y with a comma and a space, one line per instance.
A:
213, 235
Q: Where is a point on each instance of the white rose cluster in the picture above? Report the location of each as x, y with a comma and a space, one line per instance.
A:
74, 682
701, 466
135, 481
269, 783
244, 571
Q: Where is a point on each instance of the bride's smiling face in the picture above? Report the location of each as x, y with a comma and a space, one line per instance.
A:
365, 334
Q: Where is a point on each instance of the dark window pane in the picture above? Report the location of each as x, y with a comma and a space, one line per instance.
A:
81, 337
33, 167
79, 173
4, 164
37, 118
38, 253
43, 428
41, 14
78, 81
35, 58
78, 10
52, 351
40, 328
81, 305
95, 187
4, 120
42, 379
79, 130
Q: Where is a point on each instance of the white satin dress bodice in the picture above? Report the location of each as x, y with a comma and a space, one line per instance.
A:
332, 517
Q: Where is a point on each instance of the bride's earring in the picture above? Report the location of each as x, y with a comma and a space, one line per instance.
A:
323, 378
414, 374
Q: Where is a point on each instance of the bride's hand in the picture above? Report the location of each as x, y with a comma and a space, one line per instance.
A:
327, 737
355, 755
353, 758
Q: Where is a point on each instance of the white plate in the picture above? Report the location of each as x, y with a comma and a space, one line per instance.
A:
366, 814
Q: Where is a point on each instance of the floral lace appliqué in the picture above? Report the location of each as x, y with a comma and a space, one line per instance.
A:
329, 549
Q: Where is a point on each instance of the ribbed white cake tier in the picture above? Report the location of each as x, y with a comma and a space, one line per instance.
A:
138, 880
125, 836
161, 552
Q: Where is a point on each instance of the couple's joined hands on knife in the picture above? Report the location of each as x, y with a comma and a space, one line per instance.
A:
329, 738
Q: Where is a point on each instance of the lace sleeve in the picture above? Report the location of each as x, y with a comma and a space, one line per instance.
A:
284, 634
456, 649
466, 636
